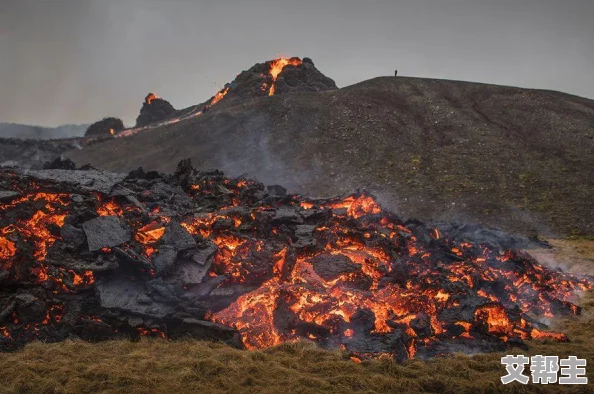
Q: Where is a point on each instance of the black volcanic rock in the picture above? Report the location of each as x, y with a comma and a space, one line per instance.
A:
101, 181
60, 163
105, 232
105, 127
154, 109
331, 267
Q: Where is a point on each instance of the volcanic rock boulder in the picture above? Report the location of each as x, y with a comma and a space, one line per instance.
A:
131, 297
90, 180
176, 240
105, 127
331, 267
105, 232
7, 195
72, 235
60, 163
154, 109
495, 238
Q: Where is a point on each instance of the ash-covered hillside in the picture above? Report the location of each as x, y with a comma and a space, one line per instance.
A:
518, 159
22, 131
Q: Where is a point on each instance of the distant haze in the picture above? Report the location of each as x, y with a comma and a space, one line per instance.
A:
78, 61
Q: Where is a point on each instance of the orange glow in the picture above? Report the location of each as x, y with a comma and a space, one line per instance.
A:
7, 249
306, 205
442, 296
87, 278
537, 334
496, 318
219, 96
40, 231
37, 226
276, 67
321, 302
150, 233
151, 332
358, 206
150, 98
110, 208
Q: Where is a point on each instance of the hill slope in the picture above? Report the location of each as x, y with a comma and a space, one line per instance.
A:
518, 159
34, 153
13, 130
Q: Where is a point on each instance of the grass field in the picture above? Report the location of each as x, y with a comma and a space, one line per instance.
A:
159, 366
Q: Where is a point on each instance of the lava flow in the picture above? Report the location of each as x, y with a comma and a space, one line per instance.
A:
266, 76
371, 286
220, 94
212, 257
215, 99
276, 67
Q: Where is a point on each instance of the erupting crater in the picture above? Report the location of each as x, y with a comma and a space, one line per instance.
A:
277, 66
278, 76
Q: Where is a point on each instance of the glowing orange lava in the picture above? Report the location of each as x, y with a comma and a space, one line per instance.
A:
150, 233
218, 97
276, 67
338, 271
150, 98
7, 249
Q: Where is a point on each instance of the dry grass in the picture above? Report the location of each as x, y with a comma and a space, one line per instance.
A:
573, 255
158, 366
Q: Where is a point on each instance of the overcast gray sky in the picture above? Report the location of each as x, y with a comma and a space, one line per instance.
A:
78, 61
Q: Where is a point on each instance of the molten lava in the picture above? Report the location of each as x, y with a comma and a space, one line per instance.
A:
218, 97
341, 272
328, 309
150, 97
276, 67
7, 249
